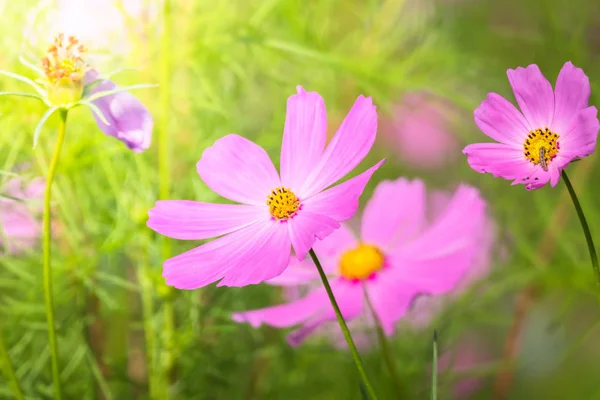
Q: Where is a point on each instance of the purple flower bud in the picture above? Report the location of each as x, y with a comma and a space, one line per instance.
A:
130, 121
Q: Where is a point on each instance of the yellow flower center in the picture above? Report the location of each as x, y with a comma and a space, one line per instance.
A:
541, 146
361, 262
64, 60
282, 203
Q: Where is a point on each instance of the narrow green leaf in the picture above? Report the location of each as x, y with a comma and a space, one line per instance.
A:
40, 125
94, 109
30, 65
363, 391
22, 94
26, 80
5, 196
105, 93
434, 365
87, 88
118, 71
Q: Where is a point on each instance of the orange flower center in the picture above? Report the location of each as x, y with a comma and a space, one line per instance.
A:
361, 262
541, 146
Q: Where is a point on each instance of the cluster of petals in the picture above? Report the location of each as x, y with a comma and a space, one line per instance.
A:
563, 114
252, 245
423, 255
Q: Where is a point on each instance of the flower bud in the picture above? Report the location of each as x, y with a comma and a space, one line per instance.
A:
65, 70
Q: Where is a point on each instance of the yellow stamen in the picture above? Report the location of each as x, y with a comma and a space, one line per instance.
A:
64, 60
541, 146
282, 203
361, 262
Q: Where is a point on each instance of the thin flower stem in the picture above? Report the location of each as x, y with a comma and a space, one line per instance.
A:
164, 165
586, 229
434, 368
383, 344
357, 361
9, 371
144, 278
47, 267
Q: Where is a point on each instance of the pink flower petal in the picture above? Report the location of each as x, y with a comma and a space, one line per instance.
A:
390, 300
334, 245
437, 269
328, 251
388, 223
498, 159
297, 273
305, 227
349, 146
285, 315
350, 300
237, 257
20, 228
571, 96
304, 137
341, 201
534, 95
270, 258
533, 176
580, 140
239, 170
190, 220
500, 120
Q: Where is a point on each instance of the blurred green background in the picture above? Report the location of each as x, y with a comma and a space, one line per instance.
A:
229, 66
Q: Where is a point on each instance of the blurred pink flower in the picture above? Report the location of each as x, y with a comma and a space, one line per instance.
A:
420, 131
279, 211
426, 307
397, 256
552, 129
129, 120
469, 353
19, 225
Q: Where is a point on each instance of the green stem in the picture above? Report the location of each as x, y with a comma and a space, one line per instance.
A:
383, 344
164, 166
144, 278
9, 370
356, 357
434, 368
47, 267
585, 227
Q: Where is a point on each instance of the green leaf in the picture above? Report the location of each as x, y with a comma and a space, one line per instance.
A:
26, 80
5, 196
40, 125
94, 109
30, 65
105, 93
87, 88
118, 71
22, 94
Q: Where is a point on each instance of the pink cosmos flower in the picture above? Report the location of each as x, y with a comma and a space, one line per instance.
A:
279, 212
419, 130
19, 226
129, 120
396, 256
553, 129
